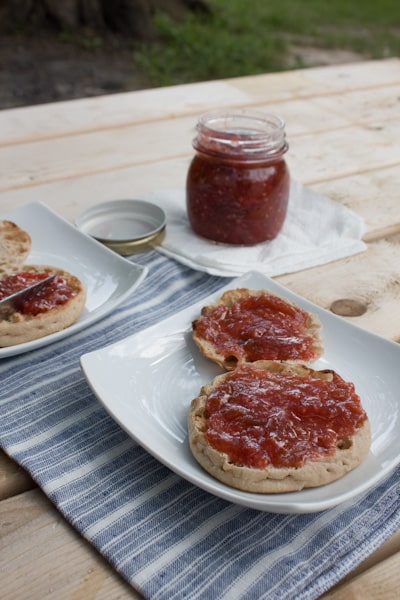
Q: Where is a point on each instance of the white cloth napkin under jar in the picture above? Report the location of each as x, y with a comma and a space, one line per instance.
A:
317, 230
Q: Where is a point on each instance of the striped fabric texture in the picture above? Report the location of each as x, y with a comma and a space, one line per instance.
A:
166, 537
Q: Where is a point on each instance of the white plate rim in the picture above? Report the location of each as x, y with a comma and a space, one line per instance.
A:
31, 217
368, 474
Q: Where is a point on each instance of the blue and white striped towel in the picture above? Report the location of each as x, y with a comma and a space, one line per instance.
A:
166, 537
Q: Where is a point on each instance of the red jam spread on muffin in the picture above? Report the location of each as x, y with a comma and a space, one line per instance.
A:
256, 328
260, 418
55, 292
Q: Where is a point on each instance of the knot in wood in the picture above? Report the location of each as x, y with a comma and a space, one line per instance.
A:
348, 307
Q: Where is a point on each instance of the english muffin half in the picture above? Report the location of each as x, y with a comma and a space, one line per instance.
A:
56, 306
250, 325
271, 427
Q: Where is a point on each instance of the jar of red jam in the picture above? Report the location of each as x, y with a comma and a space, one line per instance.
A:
237, 187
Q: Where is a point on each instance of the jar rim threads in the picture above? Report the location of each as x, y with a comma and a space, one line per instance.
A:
241, 132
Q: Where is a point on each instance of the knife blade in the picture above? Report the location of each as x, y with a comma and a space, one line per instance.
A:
9, 304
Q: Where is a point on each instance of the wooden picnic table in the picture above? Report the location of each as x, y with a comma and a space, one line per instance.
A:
343, 125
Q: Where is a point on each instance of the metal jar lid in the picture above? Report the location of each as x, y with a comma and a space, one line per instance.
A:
125, 226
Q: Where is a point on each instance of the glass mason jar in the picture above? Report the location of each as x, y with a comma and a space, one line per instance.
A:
237, 186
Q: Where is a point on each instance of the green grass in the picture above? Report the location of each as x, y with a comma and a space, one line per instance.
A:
244, 37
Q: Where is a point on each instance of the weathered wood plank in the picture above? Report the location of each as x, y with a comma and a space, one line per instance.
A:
368, 74
119, 110
317, 157
43, 556
388, 549
373, 107
314, 156
373, 195
381, 582
370, 279
71, 196
13, 479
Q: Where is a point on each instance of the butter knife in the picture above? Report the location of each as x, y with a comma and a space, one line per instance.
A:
10, 303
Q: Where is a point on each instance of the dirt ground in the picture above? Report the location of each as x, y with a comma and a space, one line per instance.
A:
45, 69
41, 69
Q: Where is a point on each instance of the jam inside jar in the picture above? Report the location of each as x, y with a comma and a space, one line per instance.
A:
237, 187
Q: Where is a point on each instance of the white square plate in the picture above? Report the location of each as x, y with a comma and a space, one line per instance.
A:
147, 381
107, 277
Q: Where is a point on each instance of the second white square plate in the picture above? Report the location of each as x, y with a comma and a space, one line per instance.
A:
147, 381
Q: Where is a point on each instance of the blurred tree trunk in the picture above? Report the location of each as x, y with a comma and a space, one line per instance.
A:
130, 17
